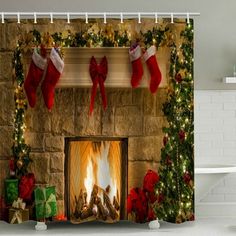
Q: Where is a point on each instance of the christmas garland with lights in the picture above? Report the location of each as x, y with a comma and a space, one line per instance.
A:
175, 190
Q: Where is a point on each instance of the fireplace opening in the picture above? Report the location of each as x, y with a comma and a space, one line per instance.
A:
96, 178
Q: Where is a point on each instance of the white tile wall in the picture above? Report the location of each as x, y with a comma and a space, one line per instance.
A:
215, 138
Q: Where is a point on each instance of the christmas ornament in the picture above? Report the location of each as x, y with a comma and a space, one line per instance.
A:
187, 177
137, 68
165, 140
149, 181
26, 187
98, 74
34, 76
178, 77
19, 163
54, 71
151, 61
181, 135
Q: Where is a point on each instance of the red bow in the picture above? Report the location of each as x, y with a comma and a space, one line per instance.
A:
98, 73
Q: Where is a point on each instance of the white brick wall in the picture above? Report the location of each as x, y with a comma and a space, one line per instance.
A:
215, 138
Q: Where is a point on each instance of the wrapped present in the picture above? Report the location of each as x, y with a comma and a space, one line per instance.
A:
45, 202
18, 213
11, 190
17, 216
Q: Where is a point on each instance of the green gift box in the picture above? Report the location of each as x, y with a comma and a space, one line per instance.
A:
11, 190
45, 202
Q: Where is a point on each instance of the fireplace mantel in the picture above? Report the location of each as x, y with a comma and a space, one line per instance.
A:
76, 70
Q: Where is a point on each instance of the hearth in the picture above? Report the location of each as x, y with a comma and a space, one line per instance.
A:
96, 178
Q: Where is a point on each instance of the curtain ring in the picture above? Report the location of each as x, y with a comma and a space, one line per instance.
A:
188, 20
105, 18
86, 18
18, 18
51, 18
172, 18
156, 18
35, 18
121, 18
139, 18
3, 18
68, 18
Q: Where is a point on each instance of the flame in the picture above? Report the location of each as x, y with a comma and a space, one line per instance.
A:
89, 180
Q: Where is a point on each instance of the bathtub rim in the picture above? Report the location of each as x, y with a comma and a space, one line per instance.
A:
215, 169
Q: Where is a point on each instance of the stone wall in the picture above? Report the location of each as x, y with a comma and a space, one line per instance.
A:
135, 114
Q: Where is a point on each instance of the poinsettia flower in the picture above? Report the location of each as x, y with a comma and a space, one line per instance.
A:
150, 180
129, 204
151, 215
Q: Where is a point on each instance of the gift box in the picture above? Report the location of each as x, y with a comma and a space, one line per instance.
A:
11, 190
18, 213
17, 216
45, 202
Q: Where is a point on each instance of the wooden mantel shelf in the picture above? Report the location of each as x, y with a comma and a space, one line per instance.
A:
76, 70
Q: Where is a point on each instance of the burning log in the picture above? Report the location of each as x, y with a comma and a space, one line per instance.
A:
88, 211
109, 206
116, 204
101, 209
79, 203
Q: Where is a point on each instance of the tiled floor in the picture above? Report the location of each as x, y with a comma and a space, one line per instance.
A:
201, 227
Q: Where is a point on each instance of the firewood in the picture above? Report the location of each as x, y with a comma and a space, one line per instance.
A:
101, 209
110, 207
79, 203
86, 213
115, 203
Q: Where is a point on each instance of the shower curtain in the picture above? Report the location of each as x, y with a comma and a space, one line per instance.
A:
96, 151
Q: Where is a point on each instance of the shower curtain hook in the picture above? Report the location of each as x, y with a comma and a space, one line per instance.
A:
156, 18
18, 18
105, 18
86, 18
139, 18
2, 18
172, 18
188, 20
121, 18
68, 18
51, 17
35, 18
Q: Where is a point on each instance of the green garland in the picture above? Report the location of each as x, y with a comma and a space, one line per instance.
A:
175, 190
20, 149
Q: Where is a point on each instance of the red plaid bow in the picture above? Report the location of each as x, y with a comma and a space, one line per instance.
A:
98, 73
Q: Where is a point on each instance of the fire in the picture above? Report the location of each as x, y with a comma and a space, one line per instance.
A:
98, 168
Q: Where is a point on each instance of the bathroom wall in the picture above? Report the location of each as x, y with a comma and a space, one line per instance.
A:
215, 142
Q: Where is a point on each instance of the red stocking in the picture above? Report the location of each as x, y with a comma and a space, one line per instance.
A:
150, 59
34, 76
54, 70
137, 68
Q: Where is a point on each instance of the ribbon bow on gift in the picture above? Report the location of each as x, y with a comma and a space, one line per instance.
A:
18, 205
98, 73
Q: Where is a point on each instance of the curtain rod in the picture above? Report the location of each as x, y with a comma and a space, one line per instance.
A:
104, 15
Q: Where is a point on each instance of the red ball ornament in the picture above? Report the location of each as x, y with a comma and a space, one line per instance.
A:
187, 177
150, 180
160, 198
165, 140
181, 135
178, 78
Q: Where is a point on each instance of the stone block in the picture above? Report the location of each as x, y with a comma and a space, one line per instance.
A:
149, 103
137, 170
6, 140
86, 124
119, 97
40, 167
6, 66
160, 100
108, 121
4, 173
54, 143
60, 207
56, 162
82, 97
7, 106
137, 96
128, 121
145, 148
2, 37
153, 125
63, 112
57, 180
35, 140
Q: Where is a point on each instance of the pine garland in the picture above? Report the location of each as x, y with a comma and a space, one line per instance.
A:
175, 190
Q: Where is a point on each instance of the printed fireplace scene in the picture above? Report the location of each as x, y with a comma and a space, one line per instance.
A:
96, 179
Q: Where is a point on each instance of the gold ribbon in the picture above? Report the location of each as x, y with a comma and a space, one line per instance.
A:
17, 217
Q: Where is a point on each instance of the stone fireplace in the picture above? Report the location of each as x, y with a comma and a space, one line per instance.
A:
132, 114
